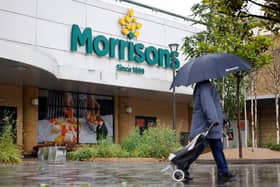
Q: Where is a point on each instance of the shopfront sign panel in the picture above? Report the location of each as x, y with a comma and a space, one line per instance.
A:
124, 50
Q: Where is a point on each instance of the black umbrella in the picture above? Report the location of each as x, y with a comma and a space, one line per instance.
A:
209, 66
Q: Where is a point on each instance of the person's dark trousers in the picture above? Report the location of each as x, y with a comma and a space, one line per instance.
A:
216, 146
186, 167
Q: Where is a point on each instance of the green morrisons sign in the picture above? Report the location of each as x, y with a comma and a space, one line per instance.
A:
127, 50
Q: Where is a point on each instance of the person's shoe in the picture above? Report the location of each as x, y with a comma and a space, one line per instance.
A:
188, 177
226, 177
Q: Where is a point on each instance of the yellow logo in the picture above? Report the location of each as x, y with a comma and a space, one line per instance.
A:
129, 25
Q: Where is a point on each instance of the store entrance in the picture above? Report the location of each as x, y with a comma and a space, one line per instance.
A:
5, 112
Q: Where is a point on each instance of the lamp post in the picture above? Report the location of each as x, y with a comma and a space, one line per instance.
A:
173, 49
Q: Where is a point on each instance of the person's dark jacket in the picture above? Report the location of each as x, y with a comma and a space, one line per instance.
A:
101, 132
206, 110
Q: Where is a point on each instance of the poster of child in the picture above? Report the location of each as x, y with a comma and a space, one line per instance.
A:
68, 123
93, 111
88, 122
62, 129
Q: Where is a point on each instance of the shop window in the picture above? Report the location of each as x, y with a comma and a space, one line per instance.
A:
96, 118
145, 122
74, 117
8, 111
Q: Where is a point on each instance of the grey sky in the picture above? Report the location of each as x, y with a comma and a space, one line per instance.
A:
181, 7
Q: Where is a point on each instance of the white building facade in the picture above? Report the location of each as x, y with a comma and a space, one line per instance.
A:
67, 65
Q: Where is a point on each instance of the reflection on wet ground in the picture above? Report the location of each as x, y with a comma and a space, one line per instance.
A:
94, 174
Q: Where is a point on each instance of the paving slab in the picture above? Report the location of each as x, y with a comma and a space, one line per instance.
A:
250, 156
248, 153
129, 174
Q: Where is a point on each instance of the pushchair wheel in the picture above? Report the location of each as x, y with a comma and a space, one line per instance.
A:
178, 175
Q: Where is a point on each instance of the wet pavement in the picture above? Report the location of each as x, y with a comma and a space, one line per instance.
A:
129, 174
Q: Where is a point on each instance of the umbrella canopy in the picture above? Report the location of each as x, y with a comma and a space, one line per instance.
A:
210, 66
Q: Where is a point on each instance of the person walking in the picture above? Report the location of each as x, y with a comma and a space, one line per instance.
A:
207, 110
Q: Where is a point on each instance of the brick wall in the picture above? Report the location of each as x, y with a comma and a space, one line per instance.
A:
30, 118
264, 82
160, 109
266, 109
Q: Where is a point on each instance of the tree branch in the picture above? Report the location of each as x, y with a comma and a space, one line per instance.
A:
265, 6
262, 17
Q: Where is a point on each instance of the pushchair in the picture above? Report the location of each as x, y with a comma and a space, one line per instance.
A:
179, 158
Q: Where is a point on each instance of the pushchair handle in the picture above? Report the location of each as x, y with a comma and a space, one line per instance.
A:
212, 125
210, 128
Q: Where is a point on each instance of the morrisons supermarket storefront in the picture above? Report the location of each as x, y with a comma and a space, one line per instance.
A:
67, 65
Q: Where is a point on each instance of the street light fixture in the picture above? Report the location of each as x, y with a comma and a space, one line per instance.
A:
173, 50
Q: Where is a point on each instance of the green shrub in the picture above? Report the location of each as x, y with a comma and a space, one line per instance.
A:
249, 142
133, 141
155, 142
275, 147
81, 154
103, 149
269, 145
8, 150
111, 150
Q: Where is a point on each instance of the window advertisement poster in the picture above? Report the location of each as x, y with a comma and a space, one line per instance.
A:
66, 117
